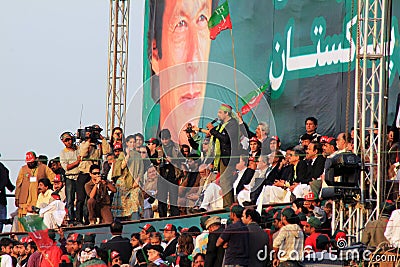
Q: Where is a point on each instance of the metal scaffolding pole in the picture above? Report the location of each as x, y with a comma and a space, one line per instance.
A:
370, 106
117, 65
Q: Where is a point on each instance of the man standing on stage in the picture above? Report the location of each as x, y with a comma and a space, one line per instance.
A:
225, 138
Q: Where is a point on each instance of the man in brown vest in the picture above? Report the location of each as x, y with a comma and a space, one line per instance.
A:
26, 191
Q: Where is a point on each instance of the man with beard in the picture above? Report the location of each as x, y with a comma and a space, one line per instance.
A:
6, 245
225, 138
24, 253
55, 166
59, 188
74, 245
26, 192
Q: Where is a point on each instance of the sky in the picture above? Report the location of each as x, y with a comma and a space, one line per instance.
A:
53, 60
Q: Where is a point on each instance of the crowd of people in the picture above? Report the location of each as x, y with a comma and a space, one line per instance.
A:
127, 178
279, 236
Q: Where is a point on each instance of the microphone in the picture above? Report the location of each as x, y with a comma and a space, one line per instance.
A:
214, 120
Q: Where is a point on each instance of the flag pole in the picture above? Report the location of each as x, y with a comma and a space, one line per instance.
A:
252, 115
234, 71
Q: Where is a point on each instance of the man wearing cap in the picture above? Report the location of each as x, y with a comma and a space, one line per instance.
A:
310, 228
70, 160
91, 152
59, 188
313, 207
74, 244
275, 144
154, 252
215, 254
374, 232
55, 166
4, 183
225, 138
236, 237
171, 238
26, 191
118, 243
328, 146
288, 245
255, 147
141, 254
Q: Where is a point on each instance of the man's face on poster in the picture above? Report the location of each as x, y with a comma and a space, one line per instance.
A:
185, 42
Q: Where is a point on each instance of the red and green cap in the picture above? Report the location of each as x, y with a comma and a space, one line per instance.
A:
226, 108
30, 157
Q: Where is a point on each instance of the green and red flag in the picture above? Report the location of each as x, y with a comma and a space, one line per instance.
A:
252, 99
220, 20
37, 230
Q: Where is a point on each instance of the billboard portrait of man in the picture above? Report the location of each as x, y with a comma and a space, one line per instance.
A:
178, 49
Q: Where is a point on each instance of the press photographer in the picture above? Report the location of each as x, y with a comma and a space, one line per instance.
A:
91, 149
99, 203
193, 138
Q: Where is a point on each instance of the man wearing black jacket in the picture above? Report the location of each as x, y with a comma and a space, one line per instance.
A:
118, 243
316, 166
272, 175
4, 182
171, 237
215, 255
169, 160
225, 138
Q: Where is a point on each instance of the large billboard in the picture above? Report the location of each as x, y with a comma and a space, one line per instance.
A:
304, 50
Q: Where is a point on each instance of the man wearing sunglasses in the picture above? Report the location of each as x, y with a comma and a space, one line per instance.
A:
99, 204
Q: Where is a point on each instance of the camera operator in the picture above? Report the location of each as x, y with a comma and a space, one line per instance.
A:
99, 203
91, 151
193, 139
